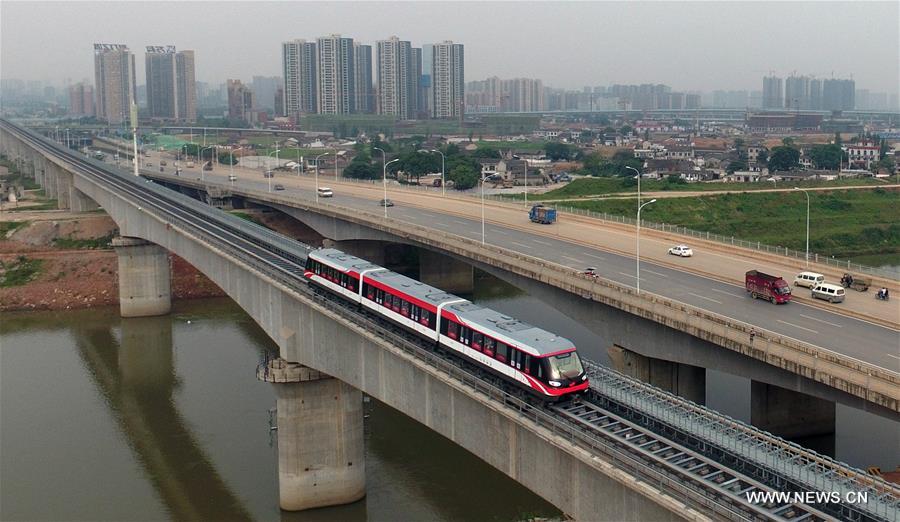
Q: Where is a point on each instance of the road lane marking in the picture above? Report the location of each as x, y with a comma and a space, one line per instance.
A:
520, 245
821, 321
797, 326
595, 257
501, 232
704, 297
442, 224
724, 292
627, 275
655, 273
542, 242
580, 262
892, 355
460, 222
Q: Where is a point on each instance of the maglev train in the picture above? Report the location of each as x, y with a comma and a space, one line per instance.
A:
534, 359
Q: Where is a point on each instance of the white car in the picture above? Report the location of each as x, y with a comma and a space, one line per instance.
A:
681, 250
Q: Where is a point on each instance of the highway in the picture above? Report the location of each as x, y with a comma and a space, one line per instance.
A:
848, 336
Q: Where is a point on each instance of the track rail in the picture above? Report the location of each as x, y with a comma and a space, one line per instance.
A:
698, 480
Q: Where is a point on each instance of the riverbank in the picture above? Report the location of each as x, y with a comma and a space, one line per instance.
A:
57, 260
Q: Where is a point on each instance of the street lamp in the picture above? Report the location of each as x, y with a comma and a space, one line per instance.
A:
638, 257
384, 173
639, 182
443, 181
807, 223
317, 174
270, 173
231, 164
483, 179
200, 160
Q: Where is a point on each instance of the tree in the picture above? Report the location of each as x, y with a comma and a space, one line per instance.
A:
646, 134
788, 142
826, 156
463, 176
738, 144
762, 158
558, 151
361, 170
626, 130
837, 139
887, 163
784, 158
739, 164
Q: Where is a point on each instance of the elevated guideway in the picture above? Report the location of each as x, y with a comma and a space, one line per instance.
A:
263, 272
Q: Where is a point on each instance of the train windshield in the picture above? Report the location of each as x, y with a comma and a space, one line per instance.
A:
565, 366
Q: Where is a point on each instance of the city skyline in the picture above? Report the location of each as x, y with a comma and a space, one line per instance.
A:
604, 43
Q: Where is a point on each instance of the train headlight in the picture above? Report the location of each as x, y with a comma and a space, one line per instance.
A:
556, 384
584, 377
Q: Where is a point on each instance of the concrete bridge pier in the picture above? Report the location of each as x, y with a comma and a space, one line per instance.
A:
446, 272
681, 379
321, 452
79, 201
64, 187
788, 413
144, 278
49, 184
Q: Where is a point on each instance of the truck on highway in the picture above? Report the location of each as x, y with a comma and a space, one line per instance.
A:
769, 287
541, 214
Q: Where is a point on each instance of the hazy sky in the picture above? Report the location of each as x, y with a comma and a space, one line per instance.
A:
690, 46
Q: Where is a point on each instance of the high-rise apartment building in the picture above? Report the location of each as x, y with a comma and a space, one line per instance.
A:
241, 101
398, 79
522, 95
114, 82
425, 82
416, 79
81, 100
264, 89
838, 95
335, 75
362, 73
815, 94
447, 80
796, 93
773, 93
171, 87
299, 73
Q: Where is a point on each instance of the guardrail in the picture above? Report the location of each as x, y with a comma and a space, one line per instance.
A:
873, 383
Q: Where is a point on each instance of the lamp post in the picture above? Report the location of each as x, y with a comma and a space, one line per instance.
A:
317, 174
200, 160
443, 182
269, 175
384, 174
807, 223
638, 257
230, 163
526, 183
639, 182
483, 179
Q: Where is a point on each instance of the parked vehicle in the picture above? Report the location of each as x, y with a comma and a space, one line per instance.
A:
858, 283
681, 251
325, 192
385, 203
565, 178
828, 292
232, 178
148, 164
189, 164
278, 187
808, 279
543, 215
268, 174
163, 163
765, 286
590, 272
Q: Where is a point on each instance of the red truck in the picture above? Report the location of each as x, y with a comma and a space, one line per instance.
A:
772, 288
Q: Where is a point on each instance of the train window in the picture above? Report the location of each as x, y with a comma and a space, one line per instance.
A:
370, 292
404, 308
465, 335
514, 358
525, 359
477, 340
396, 304
426, 318
502, 349
414, 312
489, 346
379, 296
452, 330
537, 367
388, 300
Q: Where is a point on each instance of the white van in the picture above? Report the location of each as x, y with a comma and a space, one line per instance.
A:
325, 192
828, 292
808, 279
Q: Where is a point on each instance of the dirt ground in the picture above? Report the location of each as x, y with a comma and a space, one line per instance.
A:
82, 278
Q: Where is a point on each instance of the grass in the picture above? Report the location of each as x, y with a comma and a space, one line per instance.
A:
97, 243
584, 187
7, 226
19, 271
843, 223
50, 204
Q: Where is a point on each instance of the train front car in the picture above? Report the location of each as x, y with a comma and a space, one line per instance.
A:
337, 272
539, 361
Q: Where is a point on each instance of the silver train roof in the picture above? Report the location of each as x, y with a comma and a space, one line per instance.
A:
485, 319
